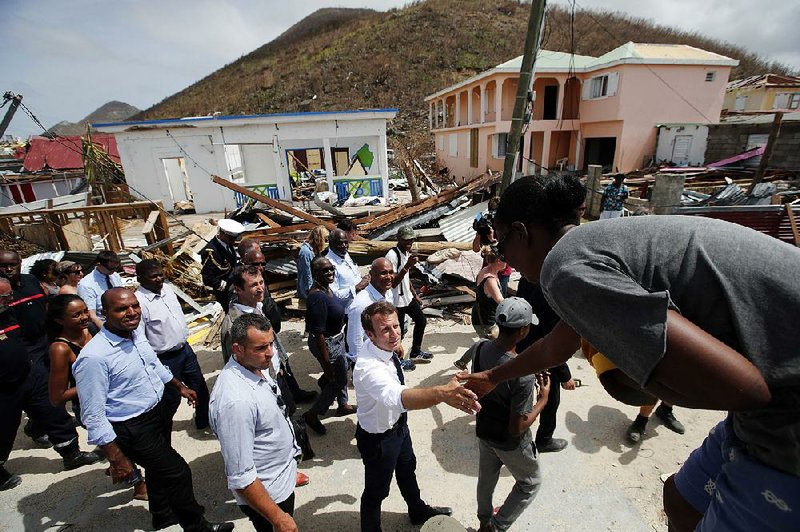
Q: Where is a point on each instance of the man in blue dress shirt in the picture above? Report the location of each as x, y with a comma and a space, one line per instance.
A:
120, 383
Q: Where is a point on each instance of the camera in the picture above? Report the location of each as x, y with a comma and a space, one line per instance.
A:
483, 226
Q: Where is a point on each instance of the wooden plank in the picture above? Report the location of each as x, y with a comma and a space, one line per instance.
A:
287, 229
110, 207
466, 290
185, 297
271, 202
267, 220
150, 222
793, 224
444, 301
274, 287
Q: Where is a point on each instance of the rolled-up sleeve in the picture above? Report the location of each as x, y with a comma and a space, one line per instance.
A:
380, 385
163, 371
236, 429
91, 379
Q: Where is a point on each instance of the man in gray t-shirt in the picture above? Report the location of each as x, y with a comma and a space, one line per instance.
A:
701, 313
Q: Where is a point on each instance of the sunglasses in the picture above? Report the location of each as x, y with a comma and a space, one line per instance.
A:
258, 264
499, 245
80, 270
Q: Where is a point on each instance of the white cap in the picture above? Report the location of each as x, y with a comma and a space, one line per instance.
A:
231, 227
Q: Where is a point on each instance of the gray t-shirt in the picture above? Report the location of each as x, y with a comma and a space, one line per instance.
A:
613, 282
517, 393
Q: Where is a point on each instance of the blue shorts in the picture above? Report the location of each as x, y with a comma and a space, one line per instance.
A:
734, 491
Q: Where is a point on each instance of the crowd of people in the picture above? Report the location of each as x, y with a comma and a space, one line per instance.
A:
682, 323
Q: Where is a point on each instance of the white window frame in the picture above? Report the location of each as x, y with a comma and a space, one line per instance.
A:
601, 87
711, 76
499, 145
794, 101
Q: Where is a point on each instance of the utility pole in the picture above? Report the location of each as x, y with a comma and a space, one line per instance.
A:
15, 100
525, 76
771, 141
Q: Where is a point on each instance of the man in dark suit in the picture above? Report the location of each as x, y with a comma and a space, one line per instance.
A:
219, 258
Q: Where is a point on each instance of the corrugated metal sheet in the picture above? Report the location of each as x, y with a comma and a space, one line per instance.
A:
64, 153
768, 219
286, 266
457, 227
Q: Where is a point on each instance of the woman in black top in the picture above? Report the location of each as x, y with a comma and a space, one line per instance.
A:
69, 330
325, 315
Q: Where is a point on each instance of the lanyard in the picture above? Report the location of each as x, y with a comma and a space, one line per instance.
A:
9, 329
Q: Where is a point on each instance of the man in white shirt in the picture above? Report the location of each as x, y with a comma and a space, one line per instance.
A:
348, 280
404, 296
166, 330
103, 277
382, 434
381, 274
248, 415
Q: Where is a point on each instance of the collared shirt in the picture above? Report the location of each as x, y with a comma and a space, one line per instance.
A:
91, 287
304, 277
117, 379
355, 332
614, 197
402, 296
162, 315
347, 276
378, 389
236, 310
256, 437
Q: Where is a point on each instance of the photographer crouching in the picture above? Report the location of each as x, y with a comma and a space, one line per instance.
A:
484, 236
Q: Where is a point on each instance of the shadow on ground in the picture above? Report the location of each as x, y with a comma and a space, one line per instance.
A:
604, 427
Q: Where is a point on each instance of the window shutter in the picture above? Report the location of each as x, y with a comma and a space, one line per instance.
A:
613, 83
587, 89
781, 101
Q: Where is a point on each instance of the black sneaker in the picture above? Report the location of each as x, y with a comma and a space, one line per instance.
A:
418, 355
636, 430
305, 396
7, 480
80, 459
408, 365
553, 445
664, 413
420, 518
42, 440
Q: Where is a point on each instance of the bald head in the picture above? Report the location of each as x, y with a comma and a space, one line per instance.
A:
248, 244
121, 310
381, 275
255, 257
339, 242
6, 294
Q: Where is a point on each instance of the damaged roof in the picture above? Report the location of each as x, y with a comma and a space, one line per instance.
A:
64, 153
765, 81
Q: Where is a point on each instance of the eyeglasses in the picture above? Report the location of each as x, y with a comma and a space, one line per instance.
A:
71, 272
10, 294
499, 245
257, 264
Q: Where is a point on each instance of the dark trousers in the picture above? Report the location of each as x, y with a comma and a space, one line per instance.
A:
384, 455
420, 321
335, 389
258, 520
169, 479
184, 366
547, 417
30, 396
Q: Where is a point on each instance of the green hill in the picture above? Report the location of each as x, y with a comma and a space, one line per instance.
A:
338, 59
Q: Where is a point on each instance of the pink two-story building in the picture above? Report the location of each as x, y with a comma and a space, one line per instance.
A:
587, 110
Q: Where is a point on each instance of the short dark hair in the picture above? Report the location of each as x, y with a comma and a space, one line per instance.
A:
41, 267
147, 266
551, 202
106, 256
383, 308
494, 201
245, 322
239, 271
346, 225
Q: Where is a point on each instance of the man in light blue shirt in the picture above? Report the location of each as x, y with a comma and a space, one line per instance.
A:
348, 280
103, 277
120, 384
248, 415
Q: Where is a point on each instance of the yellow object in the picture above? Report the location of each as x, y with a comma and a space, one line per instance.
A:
598, 360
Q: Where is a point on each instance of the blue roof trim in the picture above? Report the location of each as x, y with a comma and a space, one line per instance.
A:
239, 117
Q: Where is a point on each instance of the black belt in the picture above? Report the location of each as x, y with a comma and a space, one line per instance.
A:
399, 424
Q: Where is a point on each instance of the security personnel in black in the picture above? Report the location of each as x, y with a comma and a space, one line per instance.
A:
23, 387
219, 258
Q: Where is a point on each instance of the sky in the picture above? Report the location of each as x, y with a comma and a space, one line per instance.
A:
69, 58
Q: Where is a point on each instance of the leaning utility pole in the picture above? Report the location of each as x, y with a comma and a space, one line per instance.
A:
774, 132
15, 100
525, 76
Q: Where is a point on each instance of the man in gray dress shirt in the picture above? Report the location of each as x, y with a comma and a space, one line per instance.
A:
120, 383
166, 330
248, 415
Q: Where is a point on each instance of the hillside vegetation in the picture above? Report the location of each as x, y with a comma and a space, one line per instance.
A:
337, 59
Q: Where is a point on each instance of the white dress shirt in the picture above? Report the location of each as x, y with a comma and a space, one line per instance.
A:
92, 287
378, 389
402, 296
355, 332
347, 276
164, 323
256, 437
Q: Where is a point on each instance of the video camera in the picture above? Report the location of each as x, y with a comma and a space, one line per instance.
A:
482, 224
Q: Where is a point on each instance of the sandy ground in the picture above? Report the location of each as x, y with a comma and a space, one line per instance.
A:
598, 483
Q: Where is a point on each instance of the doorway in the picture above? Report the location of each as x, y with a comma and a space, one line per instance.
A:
341, 160
304, 165
550, 104
177, 180
600, 151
